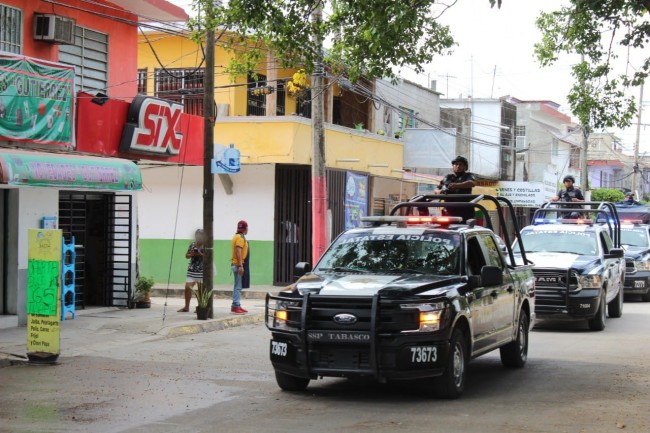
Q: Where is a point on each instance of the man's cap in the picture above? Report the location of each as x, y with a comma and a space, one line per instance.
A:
242, 225
569, 177
461, 159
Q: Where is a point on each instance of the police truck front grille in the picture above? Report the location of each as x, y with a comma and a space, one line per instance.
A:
329, 357
551, 287
629, 266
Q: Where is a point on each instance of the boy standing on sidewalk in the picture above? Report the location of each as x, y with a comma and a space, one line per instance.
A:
239, 255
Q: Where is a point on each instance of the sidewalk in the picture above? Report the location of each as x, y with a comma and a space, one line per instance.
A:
99, 329
220, 291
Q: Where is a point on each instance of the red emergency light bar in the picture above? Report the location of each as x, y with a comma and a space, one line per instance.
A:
576, 221
632, 221
434, 220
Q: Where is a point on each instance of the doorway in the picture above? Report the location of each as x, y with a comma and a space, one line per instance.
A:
3, 251
101, 226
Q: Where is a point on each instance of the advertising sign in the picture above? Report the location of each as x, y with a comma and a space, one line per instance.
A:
36, 169
356, 199
522, 194
153, 127
226, 160
36, 101
43, 294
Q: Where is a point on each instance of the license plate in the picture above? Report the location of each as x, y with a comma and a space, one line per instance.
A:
282, 351
639, 284
420, 356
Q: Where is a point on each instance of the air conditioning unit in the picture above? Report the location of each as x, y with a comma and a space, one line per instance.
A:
54, 28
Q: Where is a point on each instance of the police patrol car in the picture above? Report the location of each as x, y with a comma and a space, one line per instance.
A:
635, 239
579, 266
408, 298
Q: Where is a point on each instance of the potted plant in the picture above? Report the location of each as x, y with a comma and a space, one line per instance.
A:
358, 126
203, 298
399, 134
143, 287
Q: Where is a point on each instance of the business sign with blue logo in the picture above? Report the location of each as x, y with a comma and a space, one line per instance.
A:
226, 160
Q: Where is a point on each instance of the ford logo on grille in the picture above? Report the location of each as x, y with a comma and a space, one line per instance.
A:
345, 319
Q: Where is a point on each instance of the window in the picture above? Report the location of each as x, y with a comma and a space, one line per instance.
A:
281, 98
142, 81
184, 86
303, 104
555, 147
405, 120
520, 137
256, 105
11, 29
89, 56
606, 242
493, 253
575, 157
475, 258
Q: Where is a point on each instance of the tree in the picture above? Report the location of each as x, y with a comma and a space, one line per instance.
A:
603, 33
369, 38
607, 194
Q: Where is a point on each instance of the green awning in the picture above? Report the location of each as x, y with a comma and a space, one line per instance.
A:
23, 168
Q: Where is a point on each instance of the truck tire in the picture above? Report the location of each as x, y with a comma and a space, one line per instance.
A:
452, 382
615, 307
290, 383
515, 354
597, 323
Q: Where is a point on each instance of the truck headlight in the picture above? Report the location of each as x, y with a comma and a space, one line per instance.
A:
590, 282
429, 318
642, 265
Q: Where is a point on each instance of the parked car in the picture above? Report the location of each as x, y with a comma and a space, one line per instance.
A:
635, 239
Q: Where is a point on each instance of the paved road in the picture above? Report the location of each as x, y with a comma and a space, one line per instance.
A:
576, 381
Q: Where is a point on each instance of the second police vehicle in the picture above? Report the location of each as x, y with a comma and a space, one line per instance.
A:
579, 264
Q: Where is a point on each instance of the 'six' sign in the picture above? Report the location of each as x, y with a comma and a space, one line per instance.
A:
153, 126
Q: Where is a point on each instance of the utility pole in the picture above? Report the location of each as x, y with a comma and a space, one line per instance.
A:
319, 181
586, 130
636, 142
208, 155
494, 77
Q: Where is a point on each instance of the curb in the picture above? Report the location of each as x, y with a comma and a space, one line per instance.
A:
213, 325
218, 293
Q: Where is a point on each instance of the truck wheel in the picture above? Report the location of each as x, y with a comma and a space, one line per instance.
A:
597, 323
290, 383
515, 354
452, 382
615, 308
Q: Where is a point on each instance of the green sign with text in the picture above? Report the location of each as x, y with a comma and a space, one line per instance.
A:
36, 100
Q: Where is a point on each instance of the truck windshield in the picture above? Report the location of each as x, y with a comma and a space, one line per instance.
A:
436, 253
634, 237
559, 241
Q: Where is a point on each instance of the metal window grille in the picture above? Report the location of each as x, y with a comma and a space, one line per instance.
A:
11, 29
281, 95
575, 157
184, 86
256, 105
404, 120
303, 104
142, 81
89, 56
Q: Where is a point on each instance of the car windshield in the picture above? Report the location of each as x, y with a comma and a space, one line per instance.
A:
559, 241
432, 253
634, 237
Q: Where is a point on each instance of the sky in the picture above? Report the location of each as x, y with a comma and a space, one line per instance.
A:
503, 38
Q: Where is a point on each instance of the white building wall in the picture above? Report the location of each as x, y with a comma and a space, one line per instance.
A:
424, 102
252, 199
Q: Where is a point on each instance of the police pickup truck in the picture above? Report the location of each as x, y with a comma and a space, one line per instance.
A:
409, 297
578, 263
635, 239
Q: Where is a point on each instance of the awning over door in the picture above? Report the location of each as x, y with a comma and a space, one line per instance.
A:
23, 168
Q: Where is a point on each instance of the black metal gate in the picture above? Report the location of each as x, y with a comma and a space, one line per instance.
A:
292, 220
119, 254
336, 180
101, 225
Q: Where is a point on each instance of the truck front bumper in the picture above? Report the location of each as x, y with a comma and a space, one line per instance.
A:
637, 283
583, 304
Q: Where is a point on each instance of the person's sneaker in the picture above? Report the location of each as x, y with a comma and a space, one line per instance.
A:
243, 309
237, 310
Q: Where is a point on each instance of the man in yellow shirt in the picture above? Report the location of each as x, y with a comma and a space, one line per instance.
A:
239, 254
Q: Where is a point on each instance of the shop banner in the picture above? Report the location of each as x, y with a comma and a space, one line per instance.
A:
522, 194
36, 101
43, 294
38, 169
356, 199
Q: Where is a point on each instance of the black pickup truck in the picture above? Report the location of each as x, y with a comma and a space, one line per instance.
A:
409, 297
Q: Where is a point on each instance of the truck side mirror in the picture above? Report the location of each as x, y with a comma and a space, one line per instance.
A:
301, 269
615, 253
491, 276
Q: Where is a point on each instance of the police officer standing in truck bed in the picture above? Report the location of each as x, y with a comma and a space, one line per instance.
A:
460, 181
